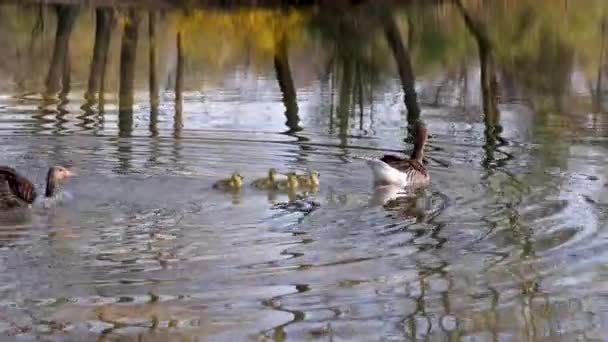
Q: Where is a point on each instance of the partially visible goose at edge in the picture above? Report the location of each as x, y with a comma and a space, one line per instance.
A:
403, 172
18, 191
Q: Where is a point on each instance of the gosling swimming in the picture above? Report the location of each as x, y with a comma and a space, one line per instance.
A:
235, 182
291, 183
310, 179
266, 183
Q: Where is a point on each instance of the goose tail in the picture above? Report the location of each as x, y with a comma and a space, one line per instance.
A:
383, 173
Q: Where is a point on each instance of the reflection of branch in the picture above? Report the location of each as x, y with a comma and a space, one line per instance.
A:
39, 25
332, 91
344, 100
281, 65
404, 65
152, 79
360, 96
439, 90
179, 87
476, 28
598, 87
329, 66
38, 28
465, 86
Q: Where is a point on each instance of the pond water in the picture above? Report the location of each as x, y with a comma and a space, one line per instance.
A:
509, 242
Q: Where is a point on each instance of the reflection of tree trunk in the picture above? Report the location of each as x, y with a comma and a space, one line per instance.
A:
179, 87
464, 80
360, 96
488, 81
404, 65
128, 54
66, 16
327, 84
327, 70
66, 80
439, 90
103, 31
281, 66
410, 32
104, 68
486, 61
39, 25
332, 93
152, 77
597, 99
488, 87
153, 80
344, 99
124, 155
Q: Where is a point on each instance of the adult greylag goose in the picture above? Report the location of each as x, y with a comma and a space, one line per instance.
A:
18, 191
403, 172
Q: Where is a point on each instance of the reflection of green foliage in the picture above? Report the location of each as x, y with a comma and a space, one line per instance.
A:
355, 36
358, 35
30, 32
537, 42
438, 43
530, 28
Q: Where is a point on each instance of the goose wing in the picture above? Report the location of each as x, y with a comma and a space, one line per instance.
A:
17, 184
404, 164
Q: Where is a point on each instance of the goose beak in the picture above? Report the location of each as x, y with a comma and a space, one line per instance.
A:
69, 173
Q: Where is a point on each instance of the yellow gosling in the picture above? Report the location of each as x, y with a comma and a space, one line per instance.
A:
267, 182
291, 183
310, 180
235, 182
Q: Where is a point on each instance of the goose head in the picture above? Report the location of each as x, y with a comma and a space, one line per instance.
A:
56, 176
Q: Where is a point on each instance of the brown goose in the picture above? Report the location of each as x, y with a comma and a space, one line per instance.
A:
18, 191
393, 170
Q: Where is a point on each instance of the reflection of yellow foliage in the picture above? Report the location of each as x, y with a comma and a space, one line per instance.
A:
221, 37
123, 20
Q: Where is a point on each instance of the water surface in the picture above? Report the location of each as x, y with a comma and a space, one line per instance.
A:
508, 243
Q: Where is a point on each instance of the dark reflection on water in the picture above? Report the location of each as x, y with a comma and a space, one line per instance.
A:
153, 106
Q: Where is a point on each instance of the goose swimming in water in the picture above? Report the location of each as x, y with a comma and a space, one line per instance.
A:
402, 172
18, 191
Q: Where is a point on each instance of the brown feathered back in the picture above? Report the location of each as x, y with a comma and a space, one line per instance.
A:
19, 185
